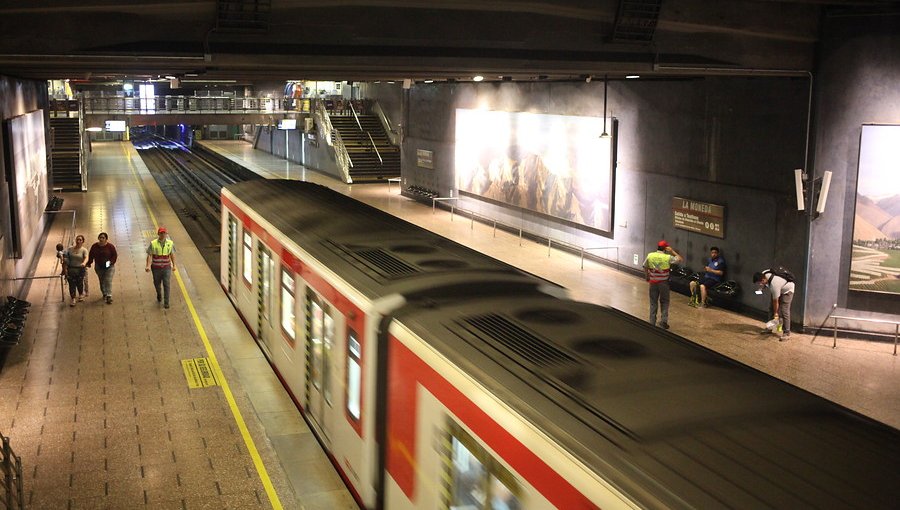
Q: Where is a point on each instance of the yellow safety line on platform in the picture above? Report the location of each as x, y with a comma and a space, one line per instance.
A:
242, 426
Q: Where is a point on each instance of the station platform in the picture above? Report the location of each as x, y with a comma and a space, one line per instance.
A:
99, 405
110, 405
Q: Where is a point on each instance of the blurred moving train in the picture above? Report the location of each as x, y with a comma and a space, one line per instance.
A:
439, 378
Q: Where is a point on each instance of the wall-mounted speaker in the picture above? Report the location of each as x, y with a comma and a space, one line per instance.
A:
823, 192
798, 186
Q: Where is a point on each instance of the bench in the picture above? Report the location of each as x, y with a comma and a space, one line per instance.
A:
884, 319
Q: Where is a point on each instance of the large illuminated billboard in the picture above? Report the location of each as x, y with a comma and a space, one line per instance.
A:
27, 157
552, 165
875, 262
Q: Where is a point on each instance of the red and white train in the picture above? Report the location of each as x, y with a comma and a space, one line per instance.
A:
439, 378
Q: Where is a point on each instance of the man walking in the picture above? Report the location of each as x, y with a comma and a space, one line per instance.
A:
161, 260
656, 270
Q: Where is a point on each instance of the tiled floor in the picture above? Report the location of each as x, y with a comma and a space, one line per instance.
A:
95, 399
861, 375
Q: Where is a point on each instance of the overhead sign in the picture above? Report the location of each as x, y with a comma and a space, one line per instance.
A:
700, 217
117, 126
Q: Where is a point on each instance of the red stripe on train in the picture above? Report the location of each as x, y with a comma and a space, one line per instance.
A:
406, 372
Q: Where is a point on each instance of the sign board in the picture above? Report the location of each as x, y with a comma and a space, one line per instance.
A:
700, 217
287, 124
117, 126
424, 159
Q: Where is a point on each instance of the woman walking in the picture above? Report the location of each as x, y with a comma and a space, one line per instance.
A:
104, 254
76, 257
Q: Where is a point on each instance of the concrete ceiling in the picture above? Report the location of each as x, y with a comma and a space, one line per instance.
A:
361, 40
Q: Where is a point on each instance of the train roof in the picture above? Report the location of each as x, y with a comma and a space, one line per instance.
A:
376, 253
671, 423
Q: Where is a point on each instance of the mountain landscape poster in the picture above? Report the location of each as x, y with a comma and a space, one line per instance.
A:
875, 262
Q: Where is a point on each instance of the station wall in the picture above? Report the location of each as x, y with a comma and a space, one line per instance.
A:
731, 141
17, 97
857, 84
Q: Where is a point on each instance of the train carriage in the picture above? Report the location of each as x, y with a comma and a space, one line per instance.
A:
438, 377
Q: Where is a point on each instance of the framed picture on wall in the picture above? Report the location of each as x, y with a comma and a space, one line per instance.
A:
875, 260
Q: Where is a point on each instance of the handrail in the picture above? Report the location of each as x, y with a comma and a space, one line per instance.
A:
13, 495
864, 319
189, 105
355, 116
325, 131
392, 135
377, 152
495, 222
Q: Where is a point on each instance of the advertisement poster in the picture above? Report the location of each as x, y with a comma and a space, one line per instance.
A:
553, 165
875, 263
28, 155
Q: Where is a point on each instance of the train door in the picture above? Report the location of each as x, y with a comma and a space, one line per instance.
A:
319, 349
265, 272
232, 252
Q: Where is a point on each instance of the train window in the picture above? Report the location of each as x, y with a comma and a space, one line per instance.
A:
265, 284
478, 481
248, 258
287, 304
354, 374
327, 346
316, 328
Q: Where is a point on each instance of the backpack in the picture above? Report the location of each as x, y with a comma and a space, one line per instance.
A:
783, 272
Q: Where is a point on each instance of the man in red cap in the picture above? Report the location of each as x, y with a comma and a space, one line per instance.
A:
161, 260
656, 270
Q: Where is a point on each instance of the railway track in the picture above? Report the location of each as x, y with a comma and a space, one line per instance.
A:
192, 179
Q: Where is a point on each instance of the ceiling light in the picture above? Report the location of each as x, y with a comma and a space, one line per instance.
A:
93, 129
429, 81
477, 78
632, 76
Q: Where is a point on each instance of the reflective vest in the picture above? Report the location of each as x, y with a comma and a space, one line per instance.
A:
658, 266
160, 254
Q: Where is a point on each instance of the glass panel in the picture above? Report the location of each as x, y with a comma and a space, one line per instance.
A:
248, 258
266, 282
468, 478
353, 376
287, 304
326, 359
501, 497
316, 345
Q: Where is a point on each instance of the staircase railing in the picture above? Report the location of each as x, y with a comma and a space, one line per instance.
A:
13, 494
392, 135
325, 131
82, 149
377, 152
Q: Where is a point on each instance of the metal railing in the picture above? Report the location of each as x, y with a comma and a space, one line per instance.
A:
876, 321
13, 495
323, 122
392, 135
192, 105
512, 228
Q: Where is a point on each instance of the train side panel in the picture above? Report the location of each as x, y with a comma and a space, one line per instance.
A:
324, 363
443, 425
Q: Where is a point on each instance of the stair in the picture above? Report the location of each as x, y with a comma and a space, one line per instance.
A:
366, 165
65, 154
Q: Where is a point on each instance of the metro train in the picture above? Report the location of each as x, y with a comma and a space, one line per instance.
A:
437, 377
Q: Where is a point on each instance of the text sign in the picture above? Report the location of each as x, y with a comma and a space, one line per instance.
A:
424, 158
708, 219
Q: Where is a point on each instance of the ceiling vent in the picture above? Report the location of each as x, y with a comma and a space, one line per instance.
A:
243, 15
636, 21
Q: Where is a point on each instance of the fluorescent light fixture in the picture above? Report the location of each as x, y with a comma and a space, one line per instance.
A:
632, 76
477, 78
93, 129
429, 81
